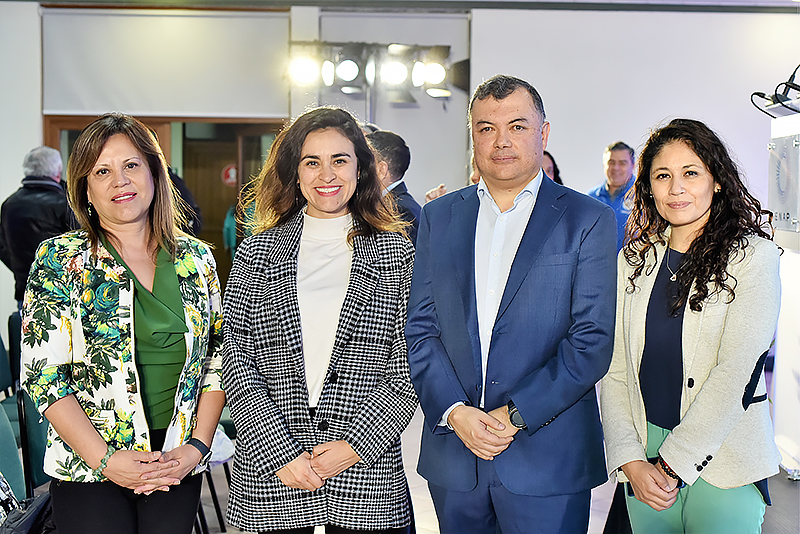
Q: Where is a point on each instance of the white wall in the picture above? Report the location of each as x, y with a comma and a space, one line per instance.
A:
435, 131
20, 110
606, 76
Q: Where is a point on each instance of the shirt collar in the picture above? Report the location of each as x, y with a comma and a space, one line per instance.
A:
530, 189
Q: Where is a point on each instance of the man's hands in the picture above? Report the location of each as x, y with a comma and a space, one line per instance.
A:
310, 472
651, 485
501, 414
481, 432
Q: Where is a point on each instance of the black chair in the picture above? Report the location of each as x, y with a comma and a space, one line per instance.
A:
15, 345
33, 437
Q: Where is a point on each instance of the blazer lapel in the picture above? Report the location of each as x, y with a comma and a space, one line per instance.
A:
364, 276
546, 213
282, 289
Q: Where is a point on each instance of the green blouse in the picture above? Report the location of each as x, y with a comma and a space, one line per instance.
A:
160, 347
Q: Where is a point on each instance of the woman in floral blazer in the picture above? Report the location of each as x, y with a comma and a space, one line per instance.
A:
85, 339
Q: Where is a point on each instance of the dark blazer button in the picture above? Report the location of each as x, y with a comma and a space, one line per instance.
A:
699, 468
709, 457
705, 462
323, 425
333, 377
690, 382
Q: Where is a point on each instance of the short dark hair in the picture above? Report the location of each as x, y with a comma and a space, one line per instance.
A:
393, 150
556, 173
276, 196
501, 86
619, 145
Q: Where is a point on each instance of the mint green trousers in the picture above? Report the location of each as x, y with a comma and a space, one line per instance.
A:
700, 508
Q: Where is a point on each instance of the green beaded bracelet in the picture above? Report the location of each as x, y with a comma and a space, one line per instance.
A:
104, 462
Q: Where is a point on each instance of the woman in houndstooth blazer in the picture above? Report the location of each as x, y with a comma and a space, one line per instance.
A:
315, 361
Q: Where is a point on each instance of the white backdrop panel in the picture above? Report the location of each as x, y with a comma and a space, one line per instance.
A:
165, 63
606, 76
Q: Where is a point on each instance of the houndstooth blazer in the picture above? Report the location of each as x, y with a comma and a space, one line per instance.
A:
367, 399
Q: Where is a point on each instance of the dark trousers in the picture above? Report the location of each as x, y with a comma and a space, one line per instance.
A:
330, 529
104, 507
490, 509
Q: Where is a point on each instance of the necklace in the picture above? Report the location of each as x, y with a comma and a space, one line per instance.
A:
673, 273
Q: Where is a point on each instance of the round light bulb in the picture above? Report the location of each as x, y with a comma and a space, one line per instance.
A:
328, 72
435, 73
393, 73
347, 70
304, 70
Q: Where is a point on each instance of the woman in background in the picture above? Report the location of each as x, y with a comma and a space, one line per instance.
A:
550, 168
315, 361
684, 405
122, 336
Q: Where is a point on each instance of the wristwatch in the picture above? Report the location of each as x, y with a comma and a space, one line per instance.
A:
205, 452
515, 417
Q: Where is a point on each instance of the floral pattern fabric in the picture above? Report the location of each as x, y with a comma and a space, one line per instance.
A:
77, 339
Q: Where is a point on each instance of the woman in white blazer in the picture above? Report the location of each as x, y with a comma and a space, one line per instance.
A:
684, 405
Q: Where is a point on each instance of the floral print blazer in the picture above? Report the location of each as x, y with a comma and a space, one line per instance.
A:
77, 339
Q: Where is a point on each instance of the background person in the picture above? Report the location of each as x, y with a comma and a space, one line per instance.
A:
129, 278
34, 212
684, 405
315, 361
392, 160
618, 161
550, 168
510, 326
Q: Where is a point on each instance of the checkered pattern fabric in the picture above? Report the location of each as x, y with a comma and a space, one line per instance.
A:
367, 399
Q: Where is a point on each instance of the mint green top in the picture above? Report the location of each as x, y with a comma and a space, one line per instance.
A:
159, 327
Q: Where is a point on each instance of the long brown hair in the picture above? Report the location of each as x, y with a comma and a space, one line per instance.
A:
164, 216
735, 214
274, 197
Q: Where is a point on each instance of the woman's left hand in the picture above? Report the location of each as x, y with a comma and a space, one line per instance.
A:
176, 463
330, 459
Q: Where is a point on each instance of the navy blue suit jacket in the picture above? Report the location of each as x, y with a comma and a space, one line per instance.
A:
551, 343
408, 209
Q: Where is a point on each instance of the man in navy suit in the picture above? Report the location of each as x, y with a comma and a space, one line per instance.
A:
393, 157
510, 325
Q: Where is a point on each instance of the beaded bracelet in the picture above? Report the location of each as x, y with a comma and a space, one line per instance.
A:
667, 469
104, 462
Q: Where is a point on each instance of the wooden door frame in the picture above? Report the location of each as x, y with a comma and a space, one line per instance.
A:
54, 124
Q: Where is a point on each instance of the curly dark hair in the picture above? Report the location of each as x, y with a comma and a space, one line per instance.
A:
735, 215
276, 198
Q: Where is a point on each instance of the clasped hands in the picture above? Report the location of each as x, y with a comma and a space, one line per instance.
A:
310, 471
485, 434
146, 472
651, 485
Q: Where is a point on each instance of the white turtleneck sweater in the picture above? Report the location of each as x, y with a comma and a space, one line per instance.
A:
323, 272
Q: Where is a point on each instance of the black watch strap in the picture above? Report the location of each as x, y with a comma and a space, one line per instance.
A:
205, 452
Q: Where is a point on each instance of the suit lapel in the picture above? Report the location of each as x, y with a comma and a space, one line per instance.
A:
364, 276
464, 218
546, 213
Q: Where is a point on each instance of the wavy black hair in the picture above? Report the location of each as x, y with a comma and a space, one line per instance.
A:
735, 215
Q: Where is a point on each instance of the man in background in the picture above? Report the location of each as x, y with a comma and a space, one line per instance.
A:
36, 211
618, 162
393, 158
